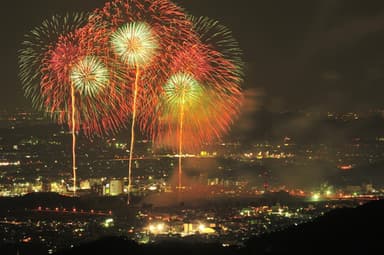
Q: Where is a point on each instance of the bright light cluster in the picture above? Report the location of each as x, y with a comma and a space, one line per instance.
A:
89, 76
135, 43
182, 89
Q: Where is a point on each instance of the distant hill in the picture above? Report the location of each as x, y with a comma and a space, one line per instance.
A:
345, 231
115, 245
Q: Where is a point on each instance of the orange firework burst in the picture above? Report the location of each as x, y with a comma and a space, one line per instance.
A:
218, 75
182, 96
220, 78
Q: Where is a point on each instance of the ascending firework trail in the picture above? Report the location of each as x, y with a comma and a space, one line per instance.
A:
136, 45
68, 82
202, 96
144, 36
181, 92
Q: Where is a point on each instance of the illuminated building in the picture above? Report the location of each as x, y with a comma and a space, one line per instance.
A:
116, 187
46, 186
85, 184
158, 228
188, 229
198, 228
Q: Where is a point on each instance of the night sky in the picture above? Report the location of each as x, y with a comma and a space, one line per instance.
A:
300, 54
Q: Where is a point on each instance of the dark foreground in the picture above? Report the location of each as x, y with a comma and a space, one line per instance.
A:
343, 230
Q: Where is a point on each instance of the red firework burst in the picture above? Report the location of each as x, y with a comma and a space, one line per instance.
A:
95, 115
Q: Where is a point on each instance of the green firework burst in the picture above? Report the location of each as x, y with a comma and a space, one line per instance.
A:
182, 89
89, 76
135, 43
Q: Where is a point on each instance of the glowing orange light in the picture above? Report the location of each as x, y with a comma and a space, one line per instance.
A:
73, 138
345, 167
181, 137
136, 87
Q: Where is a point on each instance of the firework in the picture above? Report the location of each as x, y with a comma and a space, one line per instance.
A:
134, 43
68, 82
143, 35
220, 40
221, 78
36, 44
89, 76
181, 92
215, 64
56, 56
32, 60
136, 46
182, 89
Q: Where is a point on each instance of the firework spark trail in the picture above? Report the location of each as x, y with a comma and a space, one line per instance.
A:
214, 66
136, 45
73, 123
126, 26
32, 59
182, 95
132, 132
181, 137
88, 77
